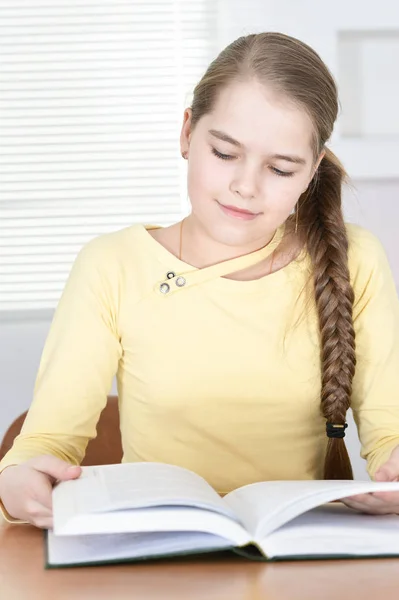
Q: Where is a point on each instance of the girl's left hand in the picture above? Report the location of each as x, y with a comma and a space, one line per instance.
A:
379, 503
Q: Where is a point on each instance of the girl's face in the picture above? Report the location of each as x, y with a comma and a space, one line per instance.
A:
248, 163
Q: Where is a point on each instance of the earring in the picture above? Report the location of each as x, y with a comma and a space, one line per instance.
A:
184, 154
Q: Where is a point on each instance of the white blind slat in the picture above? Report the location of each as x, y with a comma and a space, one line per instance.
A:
17, 151
110, 166
91, 104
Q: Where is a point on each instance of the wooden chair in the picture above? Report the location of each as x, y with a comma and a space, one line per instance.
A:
105, 449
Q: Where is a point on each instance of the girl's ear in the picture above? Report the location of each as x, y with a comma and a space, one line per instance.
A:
185, 134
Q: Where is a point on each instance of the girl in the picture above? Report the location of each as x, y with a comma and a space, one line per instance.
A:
241, 335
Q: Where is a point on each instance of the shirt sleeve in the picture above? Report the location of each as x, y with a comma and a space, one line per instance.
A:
375, 397
78, 363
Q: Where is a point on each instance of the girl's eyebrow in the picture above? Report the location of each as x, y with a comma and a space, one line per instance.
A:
292, 158
225, 138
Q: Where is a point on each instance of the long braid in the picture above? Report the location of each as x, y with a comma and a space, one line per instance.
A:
327, 244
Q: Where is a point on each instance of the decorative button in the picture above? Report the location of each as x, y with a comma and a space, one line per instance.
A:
164, 288
180, 281
170, 274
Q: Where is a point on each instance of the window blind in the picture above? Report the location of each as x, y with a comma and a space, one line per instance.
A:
92, 94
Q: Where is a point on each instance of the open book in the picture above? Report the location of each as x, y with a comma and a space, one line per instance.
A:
137, 511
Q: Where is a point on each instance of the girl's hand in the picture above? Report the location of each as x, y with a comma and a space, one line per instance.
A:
379, 503
26, 489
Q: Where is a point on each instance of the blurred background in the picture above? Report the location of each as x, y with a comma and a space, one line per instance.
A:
92, 94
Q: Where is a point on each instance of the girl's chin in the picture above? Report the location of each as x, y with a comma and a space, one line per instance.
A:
236, 236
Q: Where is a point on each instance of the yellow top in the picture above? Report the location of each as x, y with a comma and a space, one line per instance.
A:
217, 375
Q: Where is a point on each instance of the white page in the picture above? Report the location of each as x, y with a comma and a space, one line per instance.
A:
133, 485
156, 519
334, 529
266, 506
93, 548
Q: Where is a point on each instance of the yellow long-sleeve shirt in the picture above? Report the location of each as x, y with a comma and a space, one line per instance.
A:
218, 375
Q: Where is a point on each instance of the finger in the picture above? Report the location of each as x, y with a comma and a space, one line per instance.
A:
35, 511
367, 500
363, 508
354, 505
42, 494
380, 497
357, 498
387, 497
388, 472
44, 499
43, 522
55, 467
372, 505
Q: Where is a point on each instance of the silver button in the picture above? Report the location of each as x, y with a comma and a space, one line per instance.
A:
170, 274
180, 281
164, 288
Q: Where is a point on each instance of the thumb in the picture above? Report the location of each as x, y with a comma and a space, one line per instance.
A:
55, 467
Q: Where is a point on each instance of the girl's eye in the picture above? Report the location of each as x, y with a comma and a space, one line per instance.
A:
230, 157
281, 173
222, 156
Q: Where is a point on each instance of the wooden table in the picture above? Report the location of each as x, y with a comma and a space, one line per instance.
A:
23, 577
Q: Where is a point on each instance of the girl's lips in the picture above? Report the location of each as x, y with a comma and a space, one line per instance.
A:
238, 213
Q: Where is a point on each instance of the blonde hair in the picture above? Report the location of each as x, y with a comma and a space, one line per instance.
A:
295, 70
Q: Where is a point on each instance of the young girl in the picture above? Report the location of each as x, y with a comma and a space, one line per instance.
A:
241, 335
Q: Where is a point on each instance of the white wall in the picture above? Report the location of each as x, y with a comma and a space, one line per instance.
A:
20, 349
374, 205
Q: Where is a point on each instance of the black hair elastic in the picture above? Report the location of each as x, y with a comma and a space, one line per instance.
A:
334, 430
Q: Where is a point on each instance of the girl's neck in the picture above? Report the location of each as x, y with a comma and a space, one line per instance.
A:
200, 250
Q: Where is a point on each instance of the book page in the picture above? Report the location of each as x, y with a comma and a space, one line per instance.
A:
87, 549
133, 485
266, 506
334, 529
157, 519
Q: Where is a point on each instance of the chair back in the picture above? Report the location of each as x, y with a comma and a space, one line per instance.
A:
105, 449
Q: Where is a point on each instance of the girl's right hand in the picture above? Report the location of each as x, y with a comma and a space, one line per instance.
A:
26, 489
